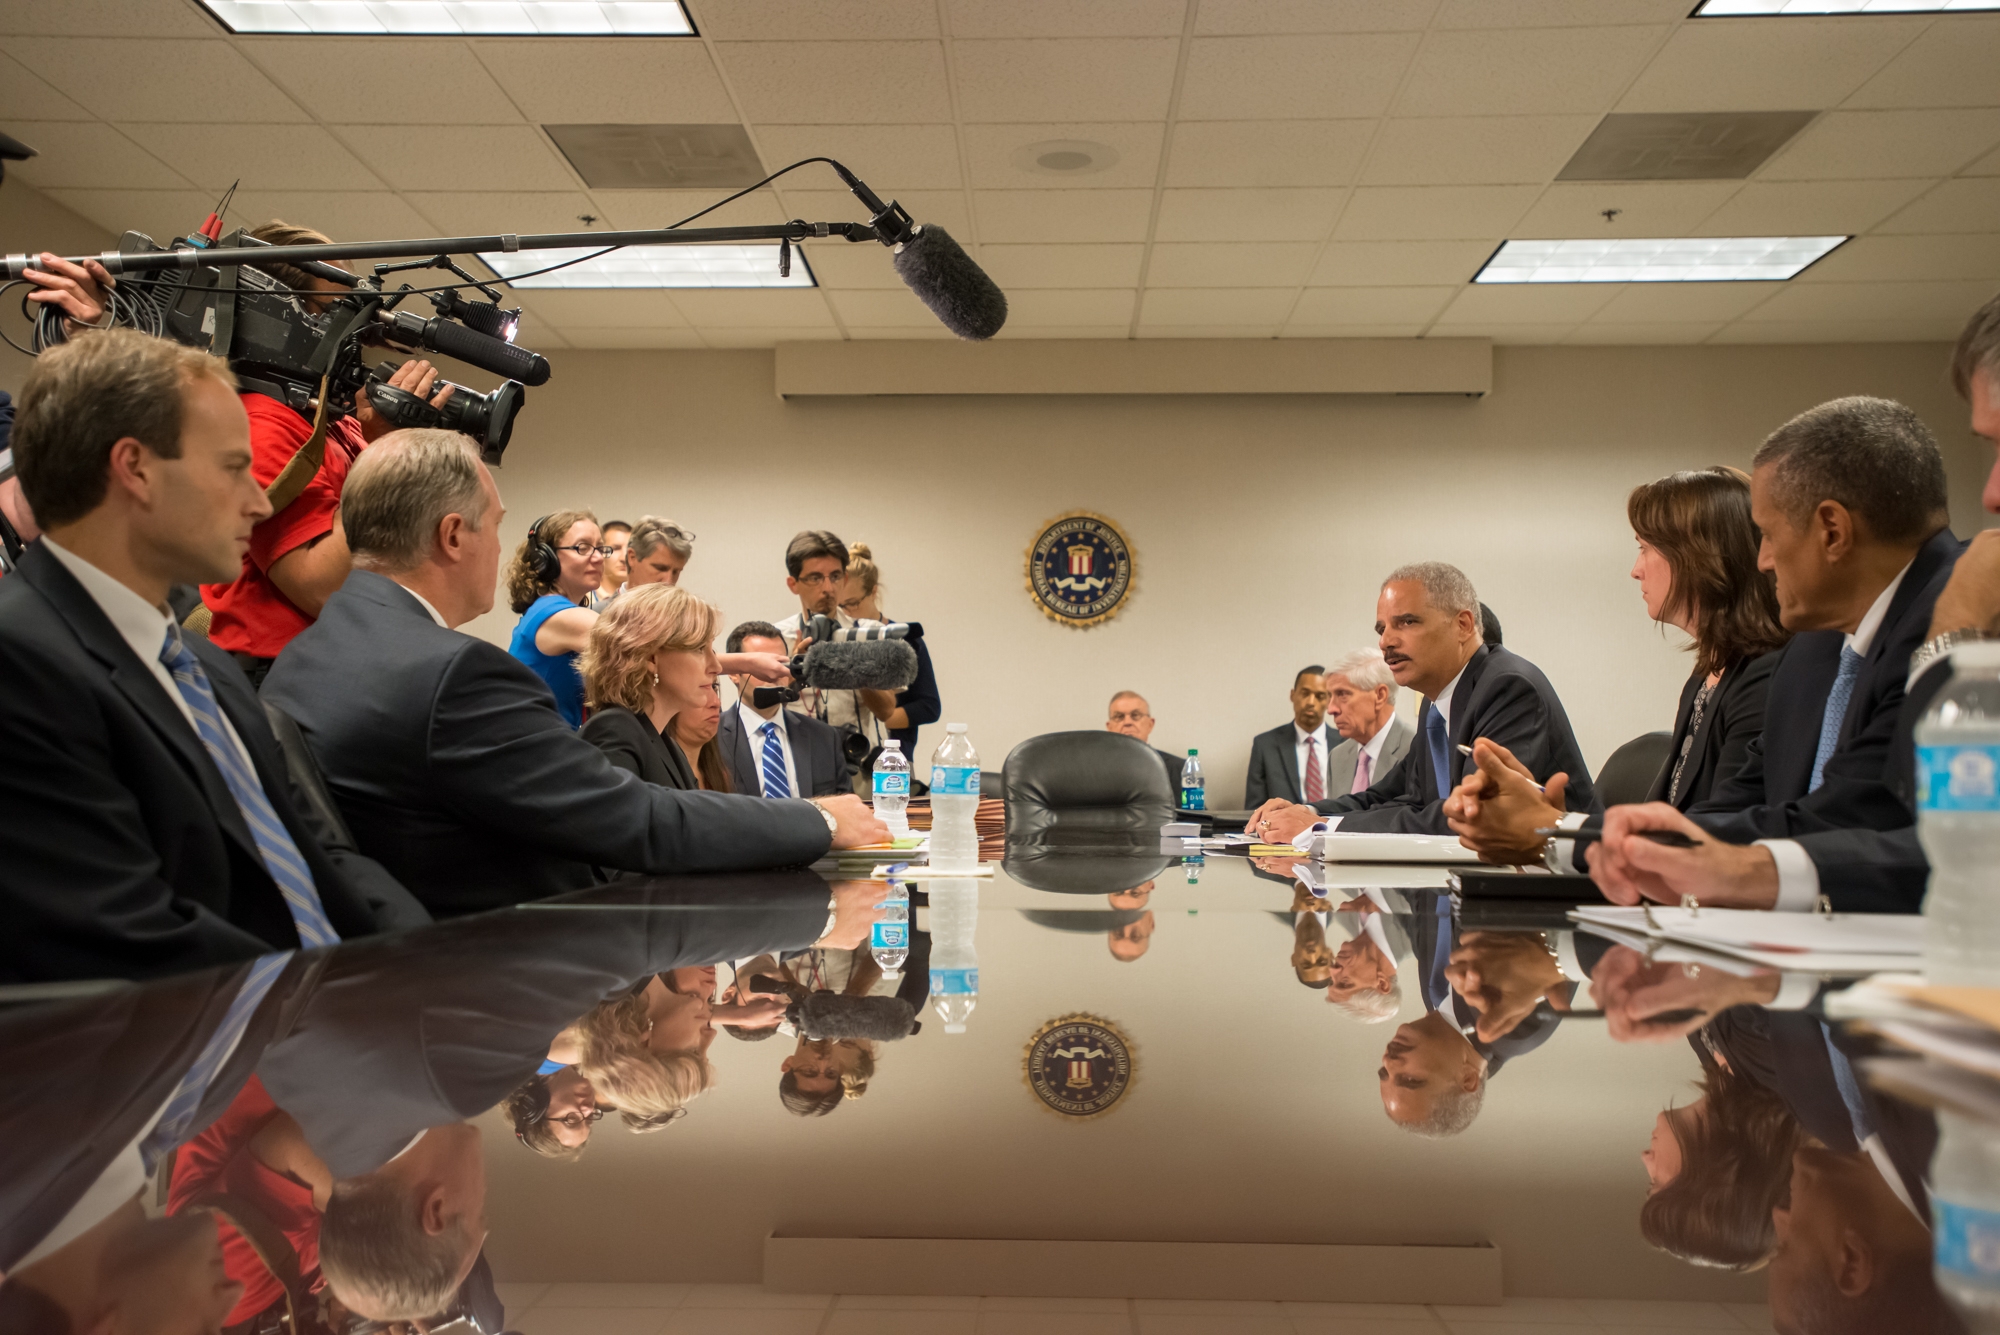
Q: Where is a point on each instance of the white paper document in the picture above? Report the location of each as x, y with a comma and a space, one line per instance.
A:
1823, 943
1340, 846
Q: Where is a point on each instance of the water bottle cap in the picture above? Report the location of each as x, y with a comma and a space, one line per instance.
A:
893, 744
1193, 752
954, 727
954, 1029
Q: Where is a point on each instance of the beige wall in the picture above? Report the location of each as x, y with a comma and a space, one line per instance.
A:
1262, 525
31, 221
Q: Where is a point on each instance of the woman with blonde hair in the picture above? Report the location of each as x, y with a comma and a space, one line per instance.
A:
648, 659
557, 567
646, 1053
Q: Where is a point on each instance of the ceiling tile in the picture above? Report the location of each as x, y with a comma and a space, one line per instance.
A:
1465, 212
539, 334
881, 308
752, 336
1081, 306
847, 266
877, 83
1230, 17
1298, 330
1079, 79
623, 82
763, 307
341, 214
88, 154
459, 157
350, 81
1371, 305
1837, 331
25, 97
1857, 145
619, 308
1556, 13
1986, 166
888, 157
487, 212
106, 18
1909, 258
1947, 301
1808, 208
134, 79
1207, 305
1064, 18
1645, 208
1521, 72
1399, 263
991, 149
585, 336
808, 20
1037, 331
1270, 153
1231, 264
1641, 335
262, 157
1293, 78
1965, 205
1063, 215
1527, 303
1475, 150
941, 208
1247, 215
160, 214
1950, 65
632, 209
1777, 64
1676, 303
1106, 266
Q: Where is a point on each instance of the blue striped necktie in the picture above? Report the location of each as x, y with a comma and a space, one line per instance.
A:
775, 782
274, 843
1439, 744
182, 1104
1837, 701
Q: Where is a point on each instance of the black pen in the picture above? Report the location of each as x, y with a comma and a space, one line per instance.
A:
1671, 838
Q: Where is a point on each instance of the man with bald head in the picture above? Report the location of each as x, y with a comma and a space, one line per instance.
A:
1132, 716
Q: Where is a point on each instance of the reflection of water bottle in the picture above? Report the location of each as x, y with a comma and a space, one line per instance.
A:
1194, 863
1965, 1214
892, 788
889, 937
954, 803
1958, 820
1194, 796
954, 962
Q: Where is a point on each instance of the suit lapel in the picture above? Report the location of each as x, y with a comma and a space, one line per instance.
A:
1940, 547
1461, 731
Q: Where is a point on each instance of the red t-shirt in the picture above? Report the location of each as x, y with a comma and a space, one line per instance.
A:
219, 1159
251, 616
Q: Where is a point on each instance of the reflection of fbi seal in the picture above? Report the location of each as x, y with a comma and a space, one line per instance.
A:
1079, 1065
1080, 569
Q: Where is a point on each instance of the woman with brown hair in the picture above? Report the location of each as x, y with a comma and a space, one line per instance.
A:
693, 730
648, 659
557, 567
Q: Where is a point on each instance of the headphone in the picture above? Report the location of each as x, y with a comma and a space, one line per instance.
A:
543, 563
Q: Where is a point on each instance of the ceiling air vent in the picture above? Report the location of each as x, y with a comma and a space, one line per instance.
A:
659, 157
1677, 146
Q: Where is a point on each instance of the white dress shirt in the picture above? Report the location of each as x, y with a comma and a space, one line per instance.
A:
753, 725
1323, 738
425, 603
1798, 878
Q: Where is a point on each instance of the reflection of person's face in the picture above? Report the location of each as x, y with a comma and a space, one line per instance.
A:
1423, 1059
169, 1279
1131, 716
681, 1023
1312, 959
820, 585
1360, 966
1309, 701
817, 1065
571, 1101
1129, 942
1662, 1155
1819, 1245
1135, 898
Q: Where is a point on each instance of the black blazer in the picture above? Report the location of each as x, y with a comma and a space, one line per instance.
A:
122, 852
822, 770
630, 742
1732, 722
1500, 696
454, 770
919, 699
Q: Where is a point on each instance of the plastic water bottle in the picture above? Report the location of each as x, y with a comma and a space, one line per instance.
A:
892, 788
954, 962
1958, 821
889, 936
1965, 1218
1194, 795
954, 803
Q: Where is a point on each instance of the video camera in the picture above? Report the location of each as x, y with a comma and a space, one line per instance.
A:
857, 658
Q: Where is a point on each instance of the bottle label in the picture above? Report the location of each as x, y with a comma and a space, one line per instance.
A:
955, 982
1193, 799
889, 936
1968, 1240
1958, 778
892, 783
954, 781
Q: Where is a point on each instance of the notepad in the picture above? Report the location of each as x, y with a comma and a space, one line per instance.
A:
1341, 846
1817, 942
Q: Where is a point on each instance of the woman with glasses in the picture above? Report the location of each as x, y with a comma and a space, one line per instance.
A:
657, 552
554, 1110
648, 660
558, 566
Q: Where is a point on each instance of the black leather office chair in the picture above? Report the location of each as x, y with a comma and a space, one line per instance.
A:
1091, 864
1102, 781
1628, 774
309, 791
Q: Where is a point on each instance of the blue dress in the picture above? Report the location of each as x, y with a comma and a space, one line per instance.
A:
558, 670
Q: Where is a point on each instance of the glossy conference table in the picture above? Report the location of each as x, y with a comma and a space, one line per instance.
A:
1198, 1093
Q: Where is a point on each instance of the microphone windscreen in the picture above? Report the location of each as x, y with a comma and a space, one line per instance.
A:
829, 1017
945, 279
860, 665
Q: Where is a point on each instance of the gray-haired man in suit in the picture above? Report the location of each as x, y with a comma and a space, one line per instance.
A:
1361, 705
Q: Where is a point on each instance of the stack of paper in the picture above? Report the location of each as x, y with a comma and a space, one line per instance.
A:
1842, 943
1339, 846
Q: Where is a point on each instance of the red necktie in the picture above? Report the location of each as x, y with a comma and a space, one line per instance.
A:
1360, 774
1315, 781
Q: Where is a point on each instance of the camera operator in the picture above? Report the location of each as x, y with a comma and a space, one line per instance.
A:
816, 573
299, 555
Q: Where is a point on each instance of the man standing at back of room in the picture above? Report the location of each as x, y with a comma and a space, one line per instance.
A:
1428, 619
816, 574
1289, 761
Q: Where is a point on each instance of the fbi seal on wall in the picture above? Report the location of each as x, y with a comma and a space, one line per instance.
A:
1079, 1066
1080, 569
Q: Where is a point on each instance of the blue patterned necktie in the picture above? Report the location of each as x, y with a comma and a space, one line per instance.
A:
1437, 987
274, 843
775, 782
1435, 739
1836, 712
182, 1104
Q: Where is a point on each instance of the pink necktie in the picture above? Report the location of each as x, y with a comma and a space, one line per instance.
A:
1315, 781
1360, 774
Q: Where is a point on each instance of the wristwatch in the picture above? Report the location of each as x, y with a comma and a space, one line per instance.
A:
832, 825
1937, 646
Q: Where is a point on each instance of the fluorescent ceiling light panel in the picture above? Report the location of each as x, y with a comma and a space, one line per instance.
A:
457, 18
1701, 259
1721, 9
656, 266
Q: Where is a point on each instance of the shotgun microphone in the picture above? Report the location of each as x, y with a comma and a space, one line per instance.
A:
934, 266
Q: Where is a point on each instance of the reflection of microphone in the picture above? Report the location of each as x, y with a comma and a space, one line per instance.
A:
935, 267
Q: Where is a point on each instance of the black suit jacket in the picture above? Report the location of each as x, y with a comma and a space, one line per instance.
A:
1274, 765
453, 768
1729, 727
1500, 696
630, 742
822, 770
1426, 925
122, 852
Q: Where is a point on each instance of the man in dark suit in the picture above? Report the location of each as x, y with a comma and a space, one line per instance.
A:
1275, 755
1428, 619
448, 757
777, 752
1131, 715
150, 824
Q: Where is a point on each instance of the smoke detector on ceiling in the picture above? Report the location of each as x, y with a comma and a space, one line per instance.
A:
1065, 157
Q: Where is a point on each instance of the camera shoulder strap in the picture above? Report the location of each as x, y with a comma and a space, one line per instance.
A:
267, 1241
303, 466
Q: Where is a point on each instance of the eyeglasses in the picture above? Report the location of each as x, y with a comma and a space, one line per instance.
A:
814, 580
585, 549
574, 1119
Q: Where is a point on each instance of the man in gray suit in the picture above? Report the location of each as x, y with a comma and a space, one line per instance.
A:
1290, 760
1361, 705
